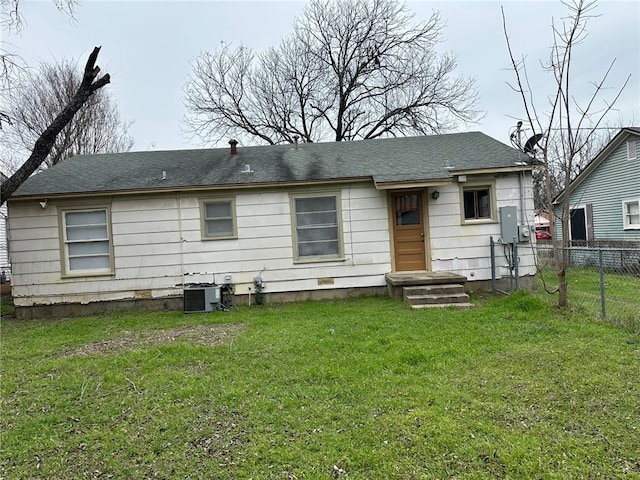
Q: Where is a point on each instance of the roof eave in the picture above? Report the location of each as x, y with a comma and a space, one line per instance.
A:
187, 188
484, 171
412, 184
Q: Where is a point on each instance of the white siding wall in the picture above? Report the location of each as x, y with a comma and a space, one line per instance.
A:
5, 266
157, 239
465, 249
150, 257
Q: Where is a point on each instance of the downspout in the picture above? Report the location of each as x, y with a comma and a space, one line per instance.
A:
523, 224
351, 228
178, 203
521, 184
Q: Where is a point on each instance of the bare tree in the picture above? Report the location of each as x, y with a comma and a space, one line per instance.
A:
568, 126
10, 63
349, 70
557, 168
11, 18
96, 127
90, 84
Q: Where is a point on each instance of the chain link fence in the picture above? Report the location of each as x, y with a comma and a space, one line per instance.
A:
602, 281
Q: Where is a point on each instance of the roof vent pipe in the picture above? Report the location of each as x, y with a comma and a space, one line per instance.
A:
295, 142
234, 148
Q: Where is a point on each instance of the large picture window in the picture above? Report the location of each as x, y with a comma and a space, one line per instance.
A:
631, 214
87, 241
218, 219
317, 227
477, 203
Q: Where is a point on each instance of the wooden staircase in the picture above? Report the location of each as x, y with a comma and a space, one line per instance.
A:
423, 289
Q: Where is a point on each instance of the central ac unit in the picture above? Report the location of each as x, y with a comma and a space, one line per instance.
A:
201, 298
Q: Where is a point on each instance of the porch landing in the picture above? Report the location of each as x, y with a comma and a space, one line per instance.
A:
422, 289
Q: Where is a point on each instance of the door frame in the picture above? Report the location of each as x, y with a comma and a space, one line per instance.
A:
425, 224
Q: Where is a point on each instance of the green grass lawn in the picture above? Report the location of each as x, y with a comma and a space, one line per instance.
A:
361, 389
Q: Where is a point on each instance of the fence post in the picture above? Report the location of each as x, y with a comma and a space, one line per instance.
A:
493, 264
602, 296
515, 263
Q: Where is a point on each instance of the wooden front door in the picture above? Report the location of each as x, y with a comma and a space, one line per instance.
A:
408, 232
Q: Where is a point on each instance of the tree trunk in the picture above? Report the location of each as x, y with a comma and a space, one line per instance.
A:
45, 142
563, 301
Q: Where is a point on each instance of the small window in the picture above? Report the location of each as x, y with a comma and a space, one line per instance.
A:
631, 214
87, 242
632, 149
317, 228
477, 203
218, 219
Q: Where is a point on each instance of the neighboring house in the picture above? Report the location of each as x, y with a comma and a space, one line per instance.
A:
541, 221
605, 198
310, 221
5, 266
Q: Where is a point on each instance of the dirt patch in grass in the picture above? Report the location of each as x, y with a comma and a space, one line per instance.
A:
207, 335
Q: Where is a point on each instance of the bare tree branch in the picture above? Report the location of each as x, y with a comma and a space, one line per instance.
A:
89, 85
569, 129
349, 70
96, 127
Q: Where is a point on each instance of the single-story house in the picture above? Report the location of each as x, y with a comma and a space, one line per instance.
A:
604, 198
308, 220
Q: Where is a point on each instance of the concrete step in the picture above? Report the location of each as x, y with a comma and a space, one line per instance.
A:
448, 289
444, 305
445, 295
436, 299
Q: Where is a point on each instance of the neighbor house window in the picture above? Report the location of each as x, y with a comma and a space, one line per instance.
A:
581, 223
218, 219
477, 203
631, 214
87, 241
316, 227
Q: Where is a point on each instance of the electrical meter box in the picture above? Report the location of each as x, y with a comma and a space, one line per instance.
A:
508, 224
524, 233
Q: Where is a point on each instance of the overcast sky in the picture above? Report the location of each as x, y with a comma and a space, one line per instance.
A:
147, 47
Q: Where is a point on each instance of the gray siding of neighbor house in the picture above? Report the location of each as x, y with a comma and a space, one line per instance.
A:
615, 180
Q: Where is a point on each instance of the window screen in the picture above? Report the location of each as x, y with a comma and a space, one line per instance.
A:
632, 214
317, 229
87, 240
218, 219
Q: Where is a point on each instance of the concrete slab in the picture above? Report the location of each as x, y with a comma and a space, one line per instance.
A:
422, 277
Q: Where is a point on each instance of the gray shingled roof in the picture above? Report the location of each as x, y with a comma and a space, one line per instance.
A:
406, 159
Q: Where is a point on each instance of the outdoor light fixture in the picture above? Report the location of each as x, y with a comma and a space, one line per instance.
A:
435, 194
44, 203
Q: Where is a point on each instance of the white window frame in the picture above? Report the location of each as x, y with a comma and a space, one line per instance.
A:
65, 243
338, 256
206, 235
490, 186
627, 225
